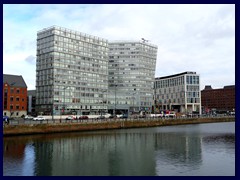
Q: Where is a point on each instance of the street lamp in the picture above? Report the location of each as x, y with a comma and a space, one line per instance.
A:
132, 97
63, 108
103, 91
51, 78
115, 101
154, 99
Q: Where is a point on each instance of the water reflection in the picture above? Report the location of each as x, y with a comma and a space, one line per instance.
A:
177, 150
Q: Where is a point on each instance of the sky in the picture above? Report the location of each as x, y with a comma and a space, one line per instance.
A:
194, 37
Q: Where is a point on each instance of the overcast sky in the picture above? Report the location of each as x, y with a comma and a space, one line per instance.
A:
199, 38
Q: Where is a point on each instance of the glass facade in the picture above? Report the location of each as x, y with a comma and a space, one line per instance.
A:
131, 75
71, 72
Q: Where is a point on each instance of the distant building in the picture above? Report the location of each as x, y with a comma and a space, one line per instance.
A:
222, 99
178, 92
131, 71
14, 96
31, 102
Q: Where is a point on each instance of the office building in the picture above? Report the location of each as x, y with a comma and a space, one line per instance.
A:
31, 102
131, 72
178, 92
220, 100
14, 96
71, 73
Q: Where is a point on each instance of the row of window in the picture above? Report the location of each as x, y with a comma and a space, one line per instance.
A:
16, 107
72, 34
192, 79
71, 57
140, 45
15, 91
17, 99
177, 100
177, 81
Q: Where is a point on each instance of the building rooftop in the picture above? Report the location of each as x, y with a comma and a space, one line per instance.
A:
31, 93
14, 80
175, 75
70, 31
132, 41
209, 87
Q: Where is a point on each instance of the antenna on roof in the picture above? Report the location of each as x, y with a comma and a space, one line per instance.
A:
144, 40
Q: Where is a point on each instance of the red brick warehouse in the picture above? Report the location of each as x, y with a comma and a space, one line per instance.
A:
14, 96
222, 99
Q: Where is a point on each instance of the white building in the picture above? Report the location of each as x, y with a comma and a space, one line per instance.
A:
131, 72
179, 92
71, 73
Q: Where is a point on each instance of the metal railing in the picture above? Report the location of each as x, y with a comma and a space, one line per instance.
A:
21, 121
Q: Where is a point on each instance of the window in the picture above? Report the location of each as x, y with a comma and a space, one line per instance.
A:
17, 99
18, 91
11, 99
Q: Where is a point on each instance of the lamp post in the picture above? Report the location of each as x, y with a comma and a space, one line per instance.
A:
154, 99
132, 98
63, 108
103, 91
115, 101
51, 78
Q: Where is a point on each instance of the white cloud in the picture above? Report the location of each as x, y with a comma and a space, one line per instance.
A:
193, 37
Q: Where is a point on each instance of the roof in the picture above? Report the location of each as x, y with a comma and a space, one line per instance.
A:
14, 80
229, 87
208, 87
31, 92
175, 75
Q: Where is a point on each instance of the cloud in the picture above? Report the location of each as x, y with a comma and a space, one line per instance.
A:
31, 59
190, 37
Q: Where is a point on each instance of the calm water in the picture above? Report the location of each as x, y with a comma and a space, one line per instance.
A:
187, 150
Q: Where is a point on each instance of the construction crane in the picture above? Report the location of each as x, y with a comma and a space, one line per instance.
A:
144, 40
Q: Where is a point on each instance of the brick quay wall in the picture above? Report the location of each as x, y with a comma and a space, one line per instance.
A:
69, 126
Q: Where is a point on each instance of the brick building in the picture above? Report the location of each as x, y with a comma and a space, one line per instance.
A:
14, 96
221, 100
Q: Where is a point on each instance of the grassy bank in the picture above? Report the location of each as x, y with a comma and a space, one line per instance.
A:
11, 130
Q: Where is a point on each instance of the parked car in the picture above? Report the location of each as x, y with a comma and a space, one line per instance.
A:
101, 117
39, 118
112, 116
142, 116
183, 115
123, 116
156, 115
28, 117
83, 117
70, 118
171, 115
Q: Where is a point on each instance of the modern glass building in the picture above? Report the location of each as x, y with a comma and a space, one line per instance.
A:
178, 92
71, 72
131, 72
